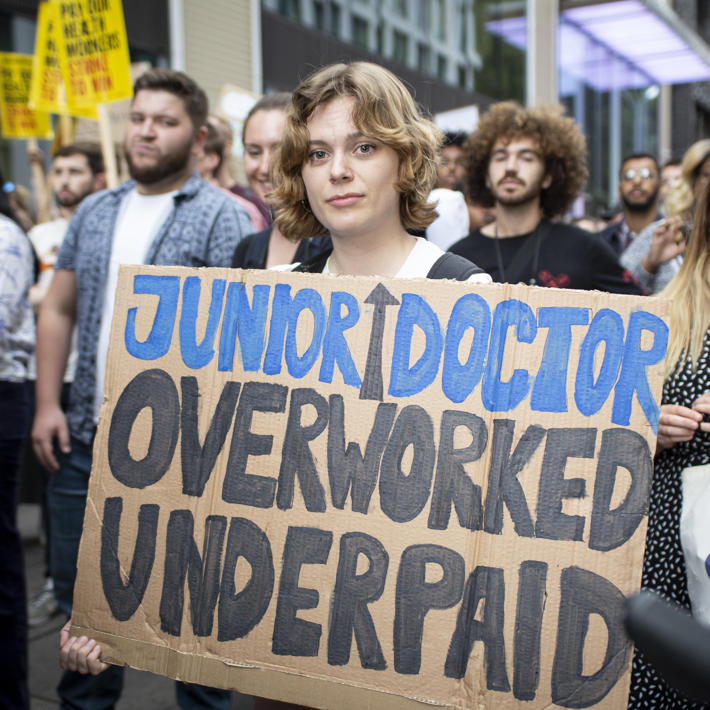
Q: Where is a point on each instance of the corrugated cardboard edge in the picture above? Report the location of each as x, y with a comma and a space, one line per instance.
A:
264, 682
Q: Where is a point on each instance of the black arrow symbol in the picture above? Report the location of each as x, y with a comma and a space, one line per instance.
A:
371, 387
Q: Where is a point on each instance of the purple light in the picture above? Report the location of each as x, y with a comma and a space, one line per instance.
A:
614, 45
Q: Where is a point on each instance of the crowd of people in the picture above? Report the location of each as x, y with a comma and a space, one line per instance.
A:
345, 176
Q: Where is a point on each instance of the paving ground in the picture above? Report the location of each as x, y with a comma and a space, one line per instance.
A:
142, 690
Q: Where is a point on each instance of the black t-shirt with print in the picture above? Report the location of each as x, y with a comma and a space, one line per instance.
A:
569, 258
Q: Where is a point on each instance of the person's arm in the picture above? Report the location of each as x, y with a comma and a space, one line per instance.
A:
54, 331
230, 227
81, 655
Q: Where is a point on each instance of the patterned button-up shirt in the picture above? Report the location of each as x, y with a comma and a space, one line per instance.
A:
17, 325
202, 229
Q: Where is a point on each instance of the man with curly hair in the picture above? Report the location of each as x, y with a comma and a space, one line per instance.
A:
530, 165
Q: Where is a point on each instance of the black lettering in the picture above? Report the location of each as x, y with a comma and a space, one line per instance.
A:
352, 593
239, 613
198, 461
483, 583
182, 559
402, 496
238, 486
562, 444
503, 483
451, 483
124, 598
150, 388
293, 636
612, 528
348, 469
296, 456
532, 593
584, 593
414, 597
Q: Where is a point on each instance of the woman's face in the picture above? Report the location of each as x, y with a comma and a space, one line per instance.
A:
349, 177
702, 178
262, 134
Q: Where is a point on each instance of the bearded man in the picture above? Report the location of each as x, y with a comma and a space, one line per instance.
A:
530, 165
164, 215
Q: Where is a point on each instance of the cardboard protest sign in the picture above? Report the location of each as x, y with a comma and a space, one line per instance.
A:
17, 119
93, 51
358, 492
47, 90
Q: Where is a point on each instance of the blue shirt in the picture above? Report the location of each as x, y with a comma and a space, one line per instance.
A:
202, 229
17, 325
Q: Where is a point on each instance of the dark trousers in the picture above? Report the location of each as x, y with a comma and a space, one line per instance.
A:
14, 420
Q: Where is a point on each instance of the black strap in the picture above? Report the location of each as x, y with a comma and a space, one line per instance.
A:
314, 265
453, 266
520, 264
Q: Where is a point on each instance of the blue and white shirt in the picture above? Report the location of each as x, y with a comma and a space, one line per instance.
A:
202, 229
17, 325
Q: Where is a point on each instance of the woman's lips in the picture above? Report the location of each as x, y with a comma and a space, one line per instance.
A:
344, 200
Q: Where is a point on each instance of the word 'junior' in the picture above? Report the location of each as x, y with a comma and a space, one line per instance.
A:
264, 322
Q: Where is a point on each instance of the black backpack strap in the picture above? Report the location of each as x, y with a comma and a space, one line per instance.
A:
453, 266
314, 265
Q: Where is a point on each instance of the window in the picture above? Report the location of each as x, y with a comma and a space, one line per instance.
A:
290, 8
361, 32
423, 58
463, 81
334, 24
463, 29
400, 7
441, 67
400, 45
423, 15
441, 14
319, 15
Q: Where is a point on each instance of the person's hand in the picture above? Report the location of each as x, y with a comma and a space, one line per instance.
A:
667, 243
702, 405
34, 155
79, 654
49, 423
677, 423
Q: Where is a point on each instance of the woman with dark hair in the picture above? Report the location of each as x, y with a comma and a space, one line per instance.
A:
17, 337
263, 130
683, 440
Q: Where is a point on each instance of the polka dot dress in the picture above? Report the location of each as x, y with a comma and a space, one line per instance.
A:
663, 566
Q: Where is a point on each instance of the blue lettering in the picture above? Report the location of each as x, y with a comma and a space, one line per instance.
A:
633, 369
193, 355
277, 330
246, 322
308, 299
405, 380
335, 347
550, 390
608, 328
501, 396
161, 334
458, 379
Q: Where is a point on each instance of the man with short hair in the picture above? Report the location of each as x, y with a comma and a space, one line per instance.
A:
451, 168
77, 171
164, 215
671, 175
639, 184
530, 165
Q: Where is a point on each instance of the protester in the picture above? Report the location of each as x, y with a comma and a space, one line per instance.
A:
356, 162
165, 215
17, 335
655, 256
530, 164
683, 440
450, 168
209, 162
639, 186
77, 171
671, 175
263, 130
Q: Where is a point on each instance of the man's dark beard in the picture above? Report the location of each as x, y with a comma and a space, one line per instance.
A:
167, 165
641, 206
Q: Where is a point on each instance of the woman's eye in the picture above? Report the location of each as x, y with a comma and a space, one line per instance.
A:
365, 148
316, 155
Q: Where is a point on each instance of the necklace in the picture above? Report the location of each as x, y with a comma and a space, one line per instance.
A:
520, 255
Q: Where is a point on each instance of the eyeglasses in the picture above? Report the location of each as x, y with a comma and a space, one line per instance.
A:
643, 173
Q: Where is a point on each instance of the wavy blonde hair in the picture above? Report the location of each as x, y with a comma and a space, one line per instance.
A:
681, 197
689, 292
383, 110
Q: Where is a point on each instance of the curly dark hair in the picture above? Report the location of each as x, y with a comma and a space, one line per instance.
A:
561, 142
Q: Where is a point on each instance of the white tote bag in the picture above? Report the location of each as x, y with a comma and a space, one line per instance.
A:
695, 537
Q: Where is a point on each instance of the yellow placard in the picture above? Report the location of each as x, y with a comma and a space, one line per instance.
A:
18, 120
93, 51
47, 91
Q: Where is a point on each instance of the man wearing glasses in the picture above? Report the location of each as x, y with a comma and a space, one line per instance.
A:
639, 183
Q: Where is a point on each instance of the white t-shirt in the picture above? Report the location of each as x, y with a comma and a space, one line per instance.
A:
419, 262
139, 218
